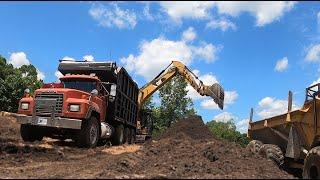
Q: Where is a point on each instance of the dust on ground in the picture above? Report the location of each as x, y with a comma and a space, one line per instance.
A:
186, 150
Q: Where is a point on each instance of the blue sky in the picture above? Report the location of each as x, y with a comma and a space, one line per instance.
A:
237, 44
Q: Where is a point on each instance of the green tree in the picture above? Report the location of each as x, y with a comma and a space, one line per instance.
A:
174, 103
13, 82
227, 130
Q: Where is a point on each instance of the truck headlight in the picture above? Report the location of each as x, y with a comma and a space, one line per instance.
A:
25, 106
74, 108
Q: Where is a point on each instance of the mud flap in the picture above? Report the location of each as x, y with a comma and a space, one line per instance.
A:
293, 145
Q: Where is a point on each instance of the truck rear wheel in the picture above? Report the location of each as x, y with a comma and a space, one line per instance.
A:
118, 136
254, 146
127, 135
89, 133
133, 136
30, 133
272, 152
311, 168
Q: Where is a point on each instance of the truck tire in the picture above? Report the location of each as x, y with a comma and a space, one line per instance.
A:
254, 146
272, 152
311, 168
133, 136
30, 133
118, 136
127, 135
89, 133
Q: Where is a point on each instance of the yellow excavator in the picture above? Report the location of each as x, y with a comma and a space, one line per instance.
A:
145, 124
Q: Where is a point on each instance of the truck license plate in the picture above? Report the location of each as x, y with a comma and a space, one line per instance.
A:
42, 121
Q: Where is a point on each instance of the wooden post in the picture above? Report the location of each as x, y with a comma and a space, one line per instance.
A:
251, 115
289, 106
289, 101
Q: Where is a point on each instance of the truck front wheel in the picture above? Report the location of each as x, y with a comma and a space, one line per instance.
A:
311, 168
118, 136
30, 133
89, 133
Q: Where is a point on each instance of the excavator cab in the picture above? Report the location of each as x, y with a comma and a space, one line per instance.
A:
144, 126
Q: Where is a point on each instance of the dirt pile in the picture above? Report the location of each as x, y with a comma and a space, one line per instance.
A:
188, 150
9, 128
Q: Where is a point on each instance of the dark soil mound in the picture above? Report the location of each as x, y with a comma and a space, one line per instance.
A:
193, 127
188, 150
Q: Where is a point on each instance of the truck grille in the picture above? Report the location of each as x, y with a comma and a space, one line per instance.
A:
48, 103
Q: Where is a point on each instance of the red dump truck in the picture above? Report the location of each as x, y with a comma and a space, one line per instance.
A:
76, 108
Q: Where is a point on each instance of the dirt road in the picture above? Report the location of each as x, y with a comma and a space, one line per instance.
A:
186, 150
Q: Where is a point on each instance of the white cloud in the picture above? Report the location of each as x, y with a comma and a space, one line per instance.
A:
224, 117
269, 107
318, 19
187, 9
265, 12
313, 53
58, 74
18, 59
315, 82
88, 58
157, 54
222, 24
242, 126
112, 15
206, 51
146, 12
189, 34
281, 65
40, 75
230, 98
68, 58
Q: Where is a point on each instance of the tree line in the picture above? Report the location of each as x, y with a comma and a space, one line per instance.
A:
13, 82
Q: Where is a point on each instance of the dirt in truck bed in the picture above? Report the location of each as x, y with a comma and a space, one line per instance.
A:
186, 150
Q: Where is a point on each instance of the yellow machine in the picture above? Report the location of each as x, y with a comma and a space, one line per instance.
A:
291, 139
215, 91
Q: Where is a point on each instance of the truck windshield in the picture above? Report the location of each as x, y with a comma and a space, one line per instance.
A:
86, 86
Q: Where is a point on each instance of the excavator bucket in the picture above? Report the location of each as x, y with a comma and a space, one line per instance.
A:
217, 93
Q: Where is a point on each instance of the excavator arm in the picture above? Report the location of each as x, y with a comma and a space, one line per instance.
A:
215, 91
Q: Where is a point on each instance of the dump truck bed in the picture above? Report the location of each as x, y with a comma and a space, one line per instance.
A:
275, 130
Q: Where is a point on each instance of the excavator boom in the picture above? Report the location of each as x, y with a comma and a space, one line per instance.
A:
215, 91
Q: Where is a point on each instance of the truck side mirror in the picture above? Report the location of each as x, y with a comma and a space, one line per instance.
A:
113, 92
94, 92
27, 92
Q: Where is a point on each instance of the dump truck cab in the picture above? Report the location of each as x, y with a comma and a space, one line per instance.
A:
73, 97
